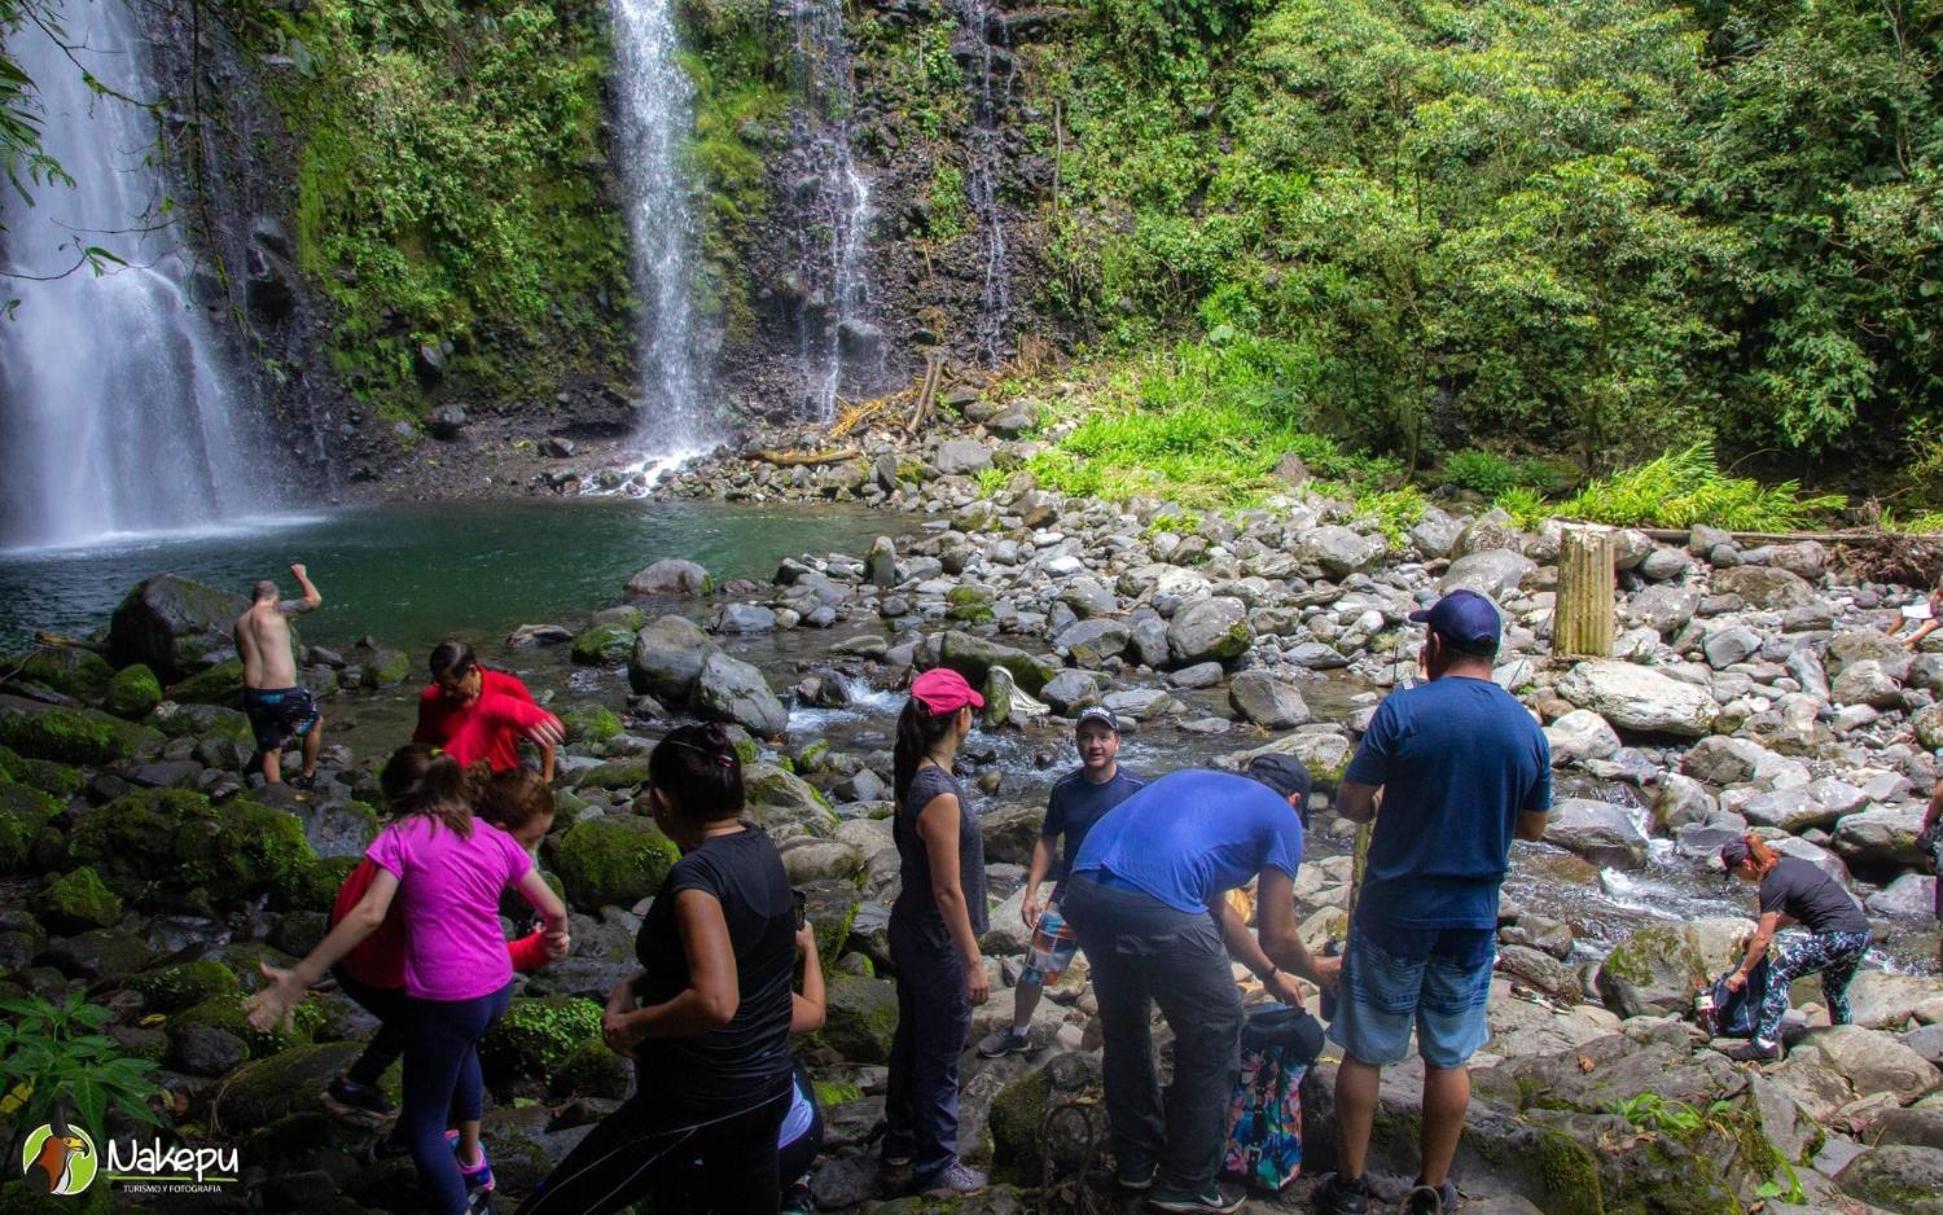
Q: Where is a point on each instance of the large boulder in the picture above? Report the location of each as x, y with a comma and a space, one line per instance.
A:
784, 803
1721, 759
1264, 700
68, 669
1338, 550
1601, 832
1665, 608
536, 1036
731, 690
613, 861
72, 735
1867, 682
23, 812
1022, 1139
1580, 735
1873, 1061
164, 848
1010, 833
962, 457
175, 625
1639, 698
1493, 572
1880, 838
1764, 586
1896, 1177
1092, 642
1211, 629
1654, 971
974, 657
860, 1018
670, 576
292, 1082
667, 659
603, 645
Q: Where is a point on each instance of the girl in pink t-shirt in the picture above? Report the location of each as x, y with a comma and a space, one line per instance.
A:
447, 871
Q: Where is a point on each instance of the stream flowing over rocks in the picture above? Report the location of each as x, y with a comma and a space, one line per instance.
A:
1752, 690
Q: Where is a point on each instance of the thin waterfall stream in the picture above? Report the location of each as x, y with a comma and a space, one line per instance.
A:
121, 407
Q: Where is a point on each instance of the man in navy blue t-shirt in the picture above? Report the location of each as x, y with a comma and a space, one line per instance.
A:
1077, 801
1147, 896
1463, 770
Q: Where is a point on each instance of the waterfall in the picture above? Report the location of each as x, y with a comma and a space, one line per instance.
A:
656, 107
120, 407
838, 346
981, 177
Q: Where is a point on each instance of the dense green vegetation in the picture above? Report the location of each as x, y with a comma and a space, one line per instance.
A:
1605, 227
451, 184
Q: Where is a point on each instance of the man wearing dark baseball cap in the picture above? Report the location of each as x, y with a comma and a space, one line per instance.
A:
1077, 801
1463, 769
1148, 896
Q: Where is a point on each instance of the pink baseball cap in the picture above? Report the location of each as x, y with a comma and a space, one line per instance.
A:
942, 690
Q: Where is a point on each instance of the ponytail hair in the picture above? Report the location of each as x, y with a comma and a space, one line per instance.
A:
1763, 856
697, 770
514, 798
918, 731
422, 780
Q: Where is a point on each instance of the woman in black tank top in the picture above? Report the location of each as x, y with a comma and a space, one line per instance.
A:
934, 929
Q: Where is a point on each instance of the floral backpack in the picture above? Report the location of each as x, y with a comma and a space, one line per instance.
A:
1264, 1147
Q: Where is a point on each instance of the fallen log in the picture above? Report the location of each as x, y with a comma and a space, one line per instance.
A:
790, 458
1677, 534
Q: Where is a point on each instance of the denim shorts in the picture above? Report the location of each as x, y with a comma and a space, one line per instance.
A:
1435, 980
1053, 945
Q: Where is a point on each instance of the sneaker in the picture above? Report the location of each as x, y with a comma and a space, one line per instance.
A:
304, 783
1136, 1177
383, 1148
478, 1178
1218, 1200
1343, 1196
1004, 1042
958, 1180
1754, 1052
479, 1202
1431, 1200
896, 1158
357, 1095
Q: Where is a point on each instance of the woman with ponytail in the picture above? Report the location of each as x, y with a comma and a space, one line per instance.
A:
707, 1021
1795, 891
447, 871
934, 931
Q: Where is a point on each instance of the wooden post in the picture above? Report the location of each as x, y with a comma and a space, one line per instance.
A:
1582, 620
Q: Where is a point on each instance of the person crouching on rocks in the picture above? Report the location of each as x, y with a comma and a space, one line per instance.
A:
373, 974
707, 1020
447, 870
935, 925
1793, 890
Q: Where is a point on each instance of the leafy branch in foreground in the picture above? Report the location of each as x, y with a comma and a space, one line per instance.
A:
50, 1052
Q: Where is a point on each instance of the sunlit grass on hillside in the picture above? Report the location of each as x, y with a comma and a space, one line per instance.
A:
1682, 488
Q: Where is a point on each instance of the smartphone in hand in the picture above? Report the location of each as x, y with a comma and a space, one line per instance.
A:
802, 902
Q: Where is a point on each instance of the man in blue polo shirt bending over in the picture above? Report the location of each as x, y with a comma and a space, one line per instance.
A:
1463, 769
1146, 895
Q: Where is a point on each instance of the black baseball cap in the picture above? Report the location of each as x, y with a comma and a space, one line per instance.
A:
1285, 774
1733, 852
1099, 713
1466, 620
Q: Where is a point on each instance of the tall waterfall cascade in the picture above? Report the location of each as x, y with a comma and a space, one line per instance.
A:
656, 102
839, 349
121, 408
992, 78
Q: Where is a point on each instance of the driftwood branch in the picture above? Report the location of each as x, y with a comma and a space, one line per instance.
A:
790, 458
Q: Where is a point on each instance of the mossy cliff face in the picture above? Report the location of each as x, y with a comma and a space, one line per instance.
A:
158, 847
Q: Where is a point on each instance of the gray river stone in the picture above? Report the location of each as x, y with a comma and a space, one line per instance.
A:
728, 689
1264, 700
1601, 832
1638, 698
1215, 628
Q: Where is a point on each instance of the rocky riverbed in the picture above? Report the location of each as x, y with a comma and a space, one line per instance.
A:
1752, 689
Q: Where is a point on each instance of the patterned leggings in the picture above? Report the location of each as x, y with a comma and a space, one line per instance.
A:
1835, 954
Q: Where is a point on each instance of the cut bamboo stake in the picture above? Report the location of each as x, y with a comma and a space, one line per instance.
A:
1582, 621
934, 369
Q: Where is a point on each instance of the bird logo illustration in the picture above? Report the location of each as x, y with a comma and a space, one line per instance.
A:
59, 1158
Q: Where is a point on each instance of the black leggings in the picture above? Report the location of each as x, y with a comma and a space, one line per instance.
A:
388, 1005
652, 1139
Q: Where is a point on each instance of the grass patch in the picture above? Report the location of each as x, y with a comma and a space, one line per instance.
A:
1682, 488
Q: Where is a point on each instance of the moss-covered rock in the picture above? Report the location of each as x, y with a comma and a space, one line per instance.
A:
23, 812
133, 692
58, 779
616, 860
386, 668
968, 603
202, 721
73, 736
1021, 1139
630, 773
1654, 970
75, 902
221, 684
974, 657
155, 846
536, 1036
592, 1070
225, 1012
831, 907
603, 645
69, 670
860, 1017
291, 1082
591, 723
184, 985
175, 625
316, 890
786, 804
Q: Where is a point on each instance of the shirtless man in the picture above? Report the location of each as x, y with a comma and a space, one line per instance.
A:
276, 706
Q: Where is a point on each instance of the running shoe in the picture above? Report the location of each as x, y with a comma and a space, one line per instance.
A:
478, 1178
357, 1095
1217, 1200
958, 1180
1341, 1196
1431, 1200
1004, 1042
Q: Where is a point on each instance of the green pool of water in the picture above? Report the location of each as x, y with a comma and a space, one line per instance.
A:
411, 574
